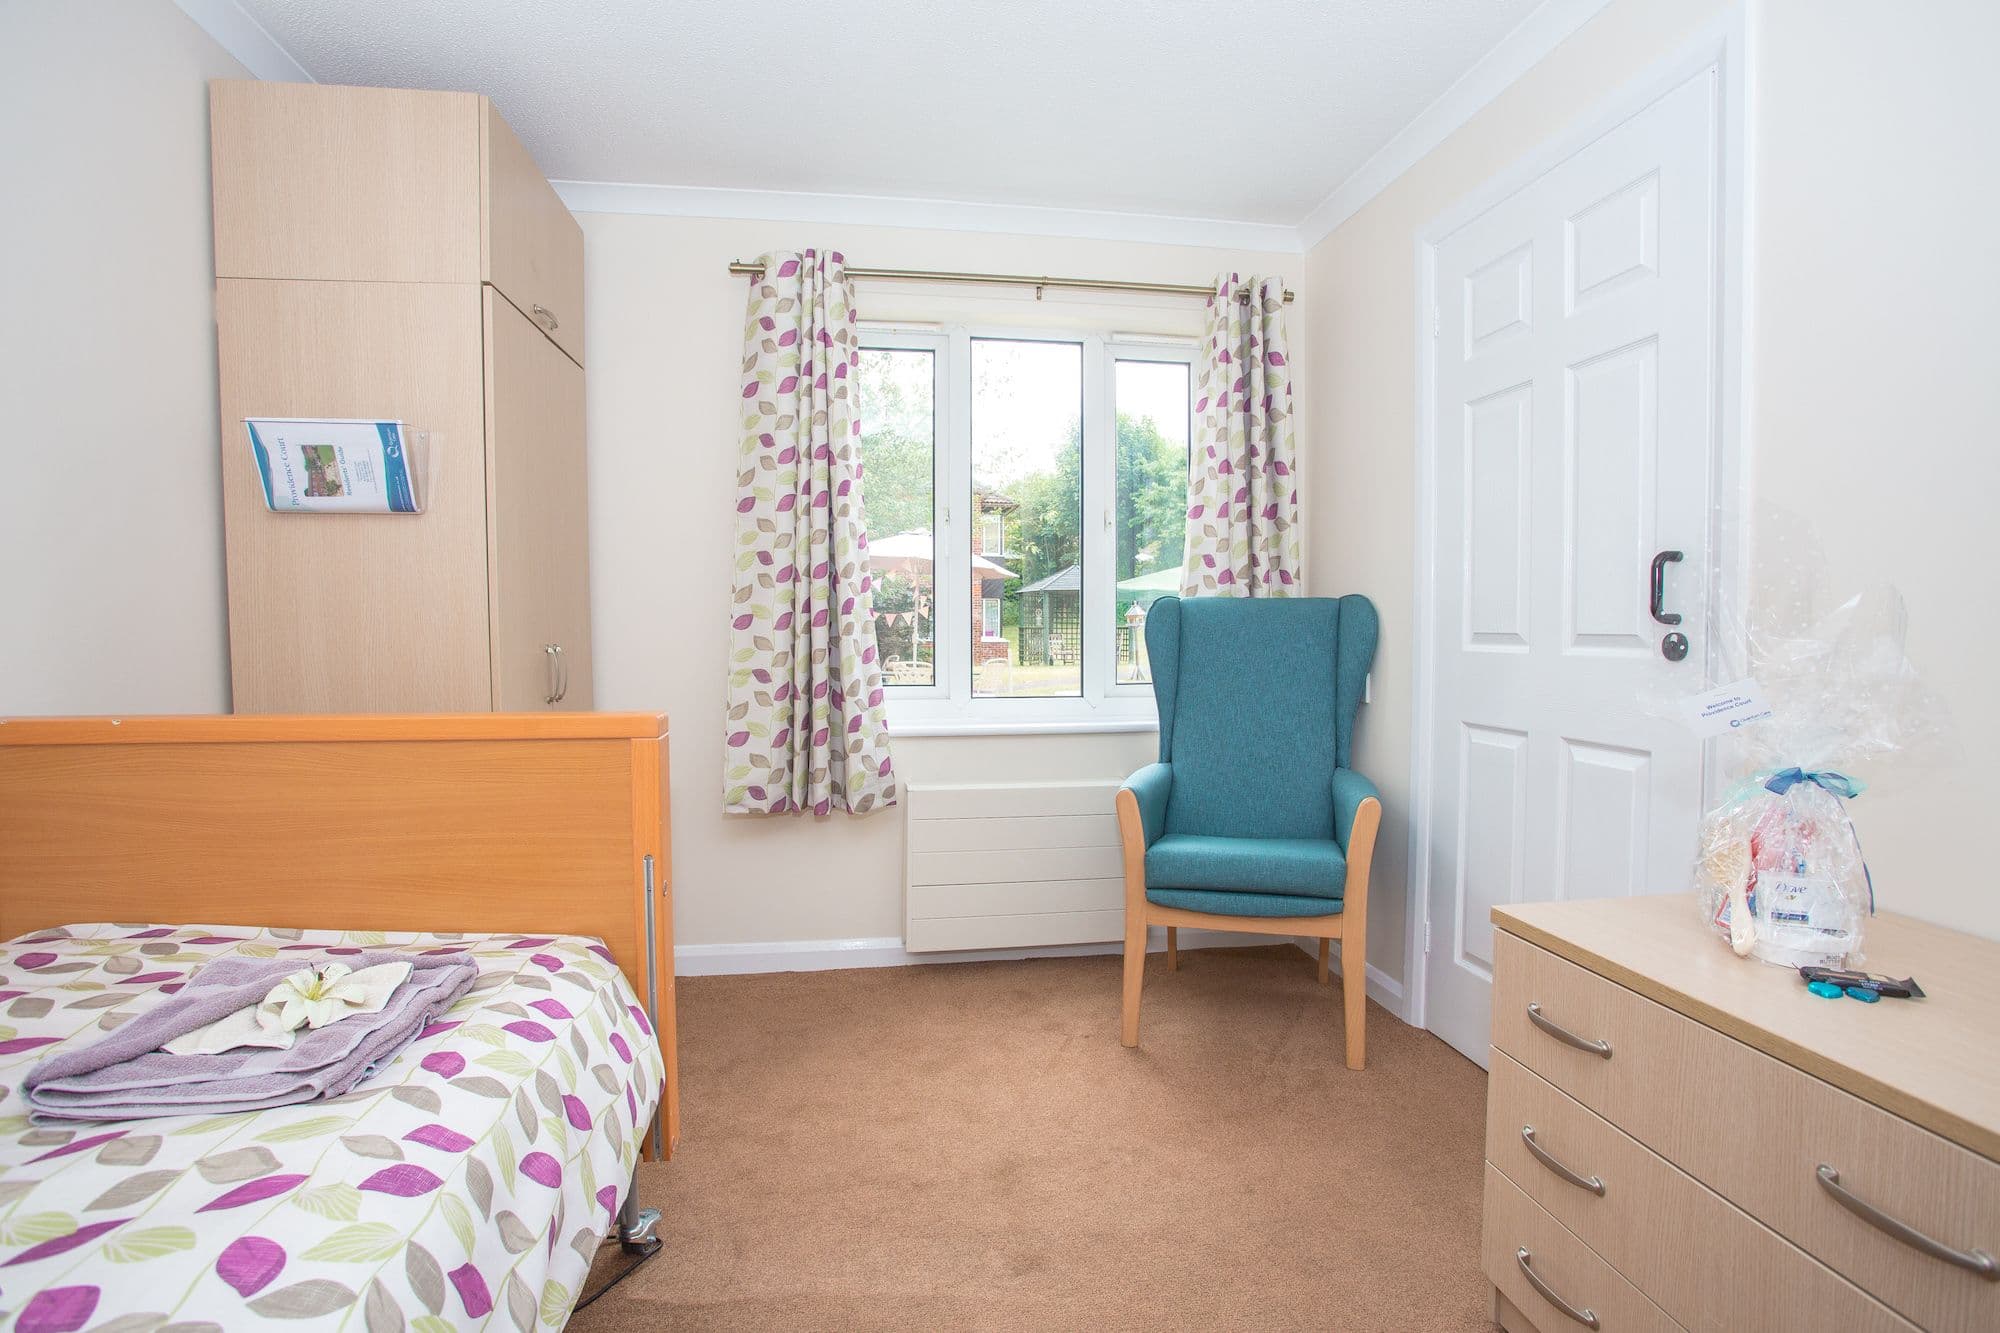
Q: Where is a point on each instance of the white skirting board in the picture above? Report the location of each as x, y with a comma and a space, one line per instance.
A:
708, 960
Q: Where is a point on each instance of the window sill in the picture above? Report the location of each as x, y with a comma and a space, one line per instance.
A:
1052, 727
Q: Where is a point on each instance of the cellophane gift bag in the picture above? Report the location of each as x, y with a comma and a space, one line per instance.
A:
1780, 870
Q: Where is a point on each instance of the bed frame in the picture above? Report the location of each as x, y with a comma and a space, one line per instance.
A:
521, 823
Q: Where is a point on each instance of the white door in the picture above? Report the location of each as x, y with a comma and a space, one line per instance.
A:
1574, 411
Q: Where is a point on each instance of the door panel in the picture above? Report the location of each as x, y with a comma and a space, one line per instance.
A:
356, 613
1574, 402
539, 552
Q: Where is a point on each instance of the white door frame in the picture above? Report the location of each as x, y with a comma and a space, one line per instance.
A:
1719, 47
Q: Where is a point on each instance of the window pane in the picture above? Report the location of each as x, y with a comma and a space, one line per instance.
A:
1149, 524
1027, 488
897, 389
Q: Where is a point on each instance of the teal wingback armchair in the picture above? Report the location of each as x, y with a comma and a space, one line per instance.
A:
1252, 819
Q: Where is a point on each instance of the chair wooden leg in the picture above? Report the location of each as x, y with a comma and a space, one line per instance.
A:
1354, 996
1135, 974
1132, 838
1173, 948
1325, 953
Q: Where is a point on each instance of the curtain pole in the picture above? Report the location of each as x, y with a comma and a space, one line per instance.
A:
741, 268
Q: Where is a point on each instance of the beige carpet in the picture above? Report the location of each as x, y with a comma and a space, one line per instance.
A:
968, 1146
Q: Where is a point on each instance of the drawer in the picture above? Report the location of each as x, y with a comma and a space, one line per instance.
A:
1517, 1238
1722, 1270
1757, 1131
533, 247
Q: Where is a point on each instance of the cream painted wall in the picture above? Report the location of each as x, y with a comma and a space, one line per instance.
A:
1871, 398
665, 330
111, 584
1875, 403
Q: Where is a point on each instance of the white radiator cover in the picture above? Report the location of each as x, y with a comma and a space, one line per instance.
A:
1012, 865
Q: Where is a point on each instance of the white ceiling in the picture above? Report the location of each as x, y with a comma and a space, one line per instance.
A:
1241, 110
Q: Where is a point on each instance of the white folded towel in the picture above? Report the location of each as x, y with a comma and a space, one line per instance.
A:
312, 997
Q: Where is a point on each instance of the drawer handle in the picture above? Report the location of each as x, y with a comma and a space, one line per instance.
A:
1974, 1261
1563, 1034
544, 316
1586, 1316
1547, 1159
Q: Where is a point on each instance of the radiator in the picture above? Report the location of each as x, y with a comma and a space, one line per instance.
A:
1012, 865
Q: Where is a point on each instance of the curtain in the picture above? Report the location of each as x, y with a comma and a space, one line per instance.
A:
1243, 483
805, 727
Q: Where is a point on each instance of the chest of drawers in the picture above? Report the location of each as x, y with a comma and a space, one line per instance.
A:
1677, 1137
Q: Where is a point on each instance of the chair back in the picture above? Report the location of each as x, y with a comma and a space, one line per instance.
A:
1257, 699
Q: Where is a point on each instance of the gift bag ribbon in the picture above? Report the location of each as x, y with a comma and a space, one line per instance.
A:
1840, 785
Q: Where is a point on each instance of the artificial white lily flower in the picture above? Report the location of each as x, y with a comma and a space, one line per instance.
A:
309, 998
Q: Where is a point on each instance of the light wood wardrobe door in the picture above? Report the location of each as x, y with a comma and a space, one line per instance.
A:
356, 613
539, 539
534, 249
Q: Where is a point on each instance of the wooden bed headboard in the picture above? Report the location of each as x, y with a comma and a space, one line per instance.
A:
518, 823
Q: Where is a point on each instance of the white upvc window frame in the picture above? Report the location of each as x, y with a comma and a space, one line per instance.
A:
949, 707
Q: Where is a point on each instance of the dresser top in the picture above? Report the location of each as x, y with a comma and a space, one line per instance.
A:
1934, 1061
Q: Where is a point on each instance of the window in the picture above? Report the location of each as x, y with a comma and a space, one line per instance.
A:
897, 389
1026, 497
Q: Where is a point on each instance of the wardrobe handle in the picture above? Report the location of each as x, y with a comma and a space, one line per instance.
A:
1973, 1261
562, 676
544, 316
1563, 1034
550, 655
1586, 1316
1547, 1159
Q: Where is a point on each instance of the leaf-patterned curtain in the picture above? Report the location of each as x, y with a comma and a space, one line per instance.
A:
1243, 484
805, 727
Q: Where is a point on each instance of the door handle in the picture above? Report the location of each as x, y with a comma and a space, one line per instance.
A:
1660, 613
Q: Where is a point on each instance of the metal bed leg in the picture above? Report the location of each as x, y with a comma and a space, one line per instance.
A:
635, 1224
635, 1237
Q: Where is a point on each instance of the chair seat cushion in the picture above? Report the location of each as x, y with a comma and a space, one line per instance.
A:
1228, 902
1303, 867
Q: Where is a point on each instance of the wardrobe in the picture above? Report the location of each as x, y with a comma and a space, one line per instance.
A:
383, 254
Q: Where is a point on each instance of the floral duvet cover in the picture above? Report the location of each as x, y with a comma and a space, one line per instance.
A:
467, 1184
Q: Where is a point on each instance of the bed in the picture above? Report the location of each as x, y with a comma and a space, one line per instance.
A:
470, 1181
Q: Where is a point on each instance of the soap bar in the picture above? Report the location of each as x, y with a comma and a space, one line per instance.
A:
1824, 989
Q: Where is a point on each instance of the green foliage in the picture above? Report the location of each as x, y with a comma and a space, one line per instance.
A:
1149, 522
896, 463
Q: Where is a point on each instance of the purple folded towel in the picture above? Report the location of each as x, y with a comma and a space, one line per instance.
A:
126, 1076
